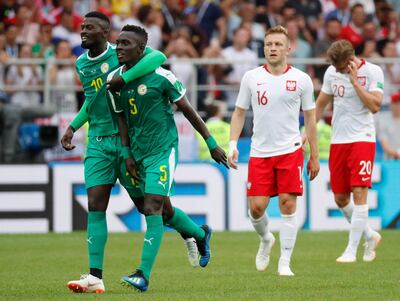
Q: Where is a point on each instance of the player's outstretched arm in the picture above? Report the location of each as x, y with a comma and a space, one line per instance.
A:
80, 119
311, 132
151, 60
217, 153
237, 123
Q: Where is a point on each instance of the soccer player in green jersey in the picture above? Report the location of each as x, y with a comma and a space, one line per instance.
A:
149, 134
104, 161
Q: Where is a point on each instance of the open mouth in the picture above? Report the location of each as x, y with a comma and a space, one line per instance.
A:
84, 39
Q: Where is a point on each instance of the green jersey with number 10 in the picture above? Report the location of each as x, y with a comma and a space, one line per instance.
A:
93, 72
146, 103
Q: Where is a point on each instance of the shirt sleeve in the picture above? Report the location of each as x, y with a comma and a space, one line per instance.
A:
326, 85
114, 98
307, 95
175, 90
377, 79
243, 100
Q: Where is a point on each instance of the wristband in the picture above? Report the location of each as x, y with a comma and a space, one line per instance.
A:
211, 143
126, 152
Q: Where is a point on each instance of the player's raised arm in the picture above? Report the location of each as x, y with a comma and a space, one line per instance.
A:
151, 60
371, 99
217, 153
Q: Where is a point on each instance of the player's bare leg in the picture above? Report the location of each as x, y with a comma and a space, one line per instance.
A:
259, 220
288, 232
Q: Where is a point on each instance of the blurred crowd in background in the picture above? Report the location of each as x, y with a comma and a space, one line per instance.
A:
229, 29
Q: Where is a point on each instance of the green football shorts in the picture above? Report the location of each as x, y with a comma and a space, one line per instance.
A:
104, 164
157, 172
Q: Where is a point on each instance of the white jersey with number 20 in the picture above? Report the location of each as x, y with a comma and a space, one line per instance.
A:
276, 102
352, 120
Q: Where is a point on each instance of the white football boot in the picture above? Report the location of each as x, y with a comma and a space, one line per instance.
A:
284, 268
346, 257
370, 247
264, 250
192, 252
87, 284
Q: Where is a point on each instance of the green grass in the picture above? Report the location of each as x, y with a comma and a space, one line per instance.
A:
37, 267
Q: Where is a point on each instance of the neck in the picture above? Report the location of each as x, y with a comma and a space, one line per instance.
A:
277, 69
99, 49
130, 64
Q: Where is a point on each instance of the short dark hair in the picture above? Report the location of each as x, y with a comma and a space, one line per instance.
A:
140, 31
98, 15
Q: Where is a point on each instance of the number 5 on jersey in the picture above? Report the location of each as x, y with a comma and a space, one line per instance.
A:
134, 109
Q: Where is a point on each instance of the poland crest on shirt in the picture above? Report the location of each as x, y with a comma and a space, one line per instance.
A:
276, 101
352, 121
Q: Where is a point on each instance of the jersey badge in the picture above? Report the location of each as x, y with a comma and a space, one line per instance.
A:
104, 67
142, 89
362, 80
291, 85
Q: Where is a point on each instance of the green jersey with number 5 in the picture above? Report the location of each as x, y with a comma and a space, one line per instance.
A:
146, 103
93, 73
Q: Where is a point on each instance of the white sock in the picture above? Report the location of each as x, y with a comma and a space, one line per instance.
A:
287, 235
348, 212
261, 226
358, 224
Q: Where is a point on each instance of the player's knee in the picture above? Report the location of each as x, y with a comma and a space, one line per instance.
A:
153, 205
288, 206
167, 213
256, 211
341, 200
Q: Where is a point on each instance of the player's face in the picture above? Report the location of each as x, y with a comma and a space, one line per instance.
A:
343, 67
92, 33
276, 48
129, 47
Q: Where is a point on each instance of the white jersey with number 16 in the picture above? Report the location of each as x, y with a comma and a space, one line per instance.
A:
276, 102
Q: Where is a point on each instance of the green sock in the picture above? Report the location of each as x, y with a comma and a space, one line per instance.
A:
182, 223
152, 243
96, 238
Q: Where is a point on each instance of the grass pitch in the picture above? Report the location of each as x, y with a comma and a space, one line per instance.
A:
37, 267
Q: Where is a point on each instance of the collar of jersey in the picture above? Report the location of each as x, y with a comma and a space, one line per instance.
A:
286, 70
100, 55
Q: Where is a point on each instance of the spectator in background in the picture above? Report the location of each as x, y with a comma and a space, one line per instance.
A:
342, 12
391, 71
152, 21
65, 31
353, 32
333, 28
11, 46
8, 10
218, 128
247, 11
25, 75
389, 130
62, 76
180, 48
44, 48
387, 20
3, 60
68, 6
210, 20
215, 74
229, 11
190, 27
242, 59
126, 16
298, 47
311, 10
173, 17
28, 29
269, 14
